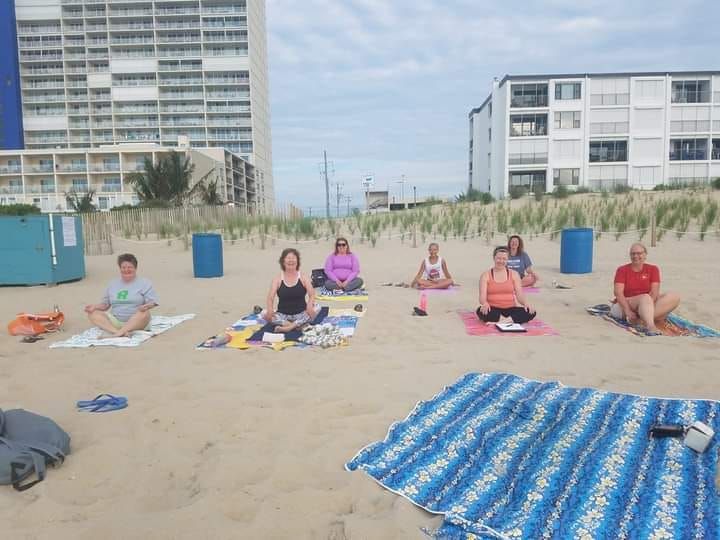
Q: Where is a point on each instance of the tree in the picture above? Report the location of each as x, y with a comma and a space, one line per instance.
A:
168, 181
209, 193
80, 203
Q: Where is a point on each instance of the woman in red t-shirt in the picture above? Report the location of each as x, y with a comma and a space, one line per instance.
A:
637, 292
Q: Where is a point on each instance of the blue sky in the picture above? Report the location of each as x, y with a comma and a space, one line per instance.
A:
385, 86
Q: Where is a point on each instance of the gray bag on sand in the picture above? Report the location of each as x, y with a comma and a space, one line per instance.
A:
28, 443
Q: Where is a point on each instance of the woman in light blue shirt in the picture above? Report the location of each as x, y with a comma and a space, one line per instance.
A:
520, 261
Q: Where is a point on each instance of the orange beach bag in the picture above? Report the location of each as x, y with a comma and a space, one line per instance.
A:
32, 324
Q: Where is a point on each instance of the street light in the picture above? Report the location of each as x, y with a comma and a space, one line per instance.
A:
402, 189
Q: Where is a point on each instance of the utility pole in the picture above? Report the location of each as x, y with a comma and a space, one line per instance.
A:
347, 199
338, 196
402, 190
324, 173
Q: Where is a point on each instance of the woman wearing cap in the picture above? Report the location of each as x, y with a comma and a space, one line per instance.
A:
342, 268
501, 293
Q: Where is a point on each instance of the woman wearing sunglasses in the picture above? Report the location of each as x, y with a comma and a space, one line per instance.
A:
637, 292
342, 268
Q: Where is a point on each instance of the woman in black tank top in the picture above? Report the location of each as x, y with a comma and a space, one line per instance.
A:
296, 296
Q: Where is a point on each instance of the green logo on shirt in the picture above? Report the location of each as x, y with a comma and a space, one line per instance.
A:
122, 295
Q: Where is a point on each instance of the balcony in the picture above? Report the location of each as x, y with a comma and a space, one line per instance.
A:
224, 10
690, 96
111, 188
177, 108
692, 126
529, 101
11, 190
181, 81
73, 168
105, 167
609, 99
528, 158
177, 11
75, 188
609, 128
135, 110
12, 169
131, 12
228, 95
182, 95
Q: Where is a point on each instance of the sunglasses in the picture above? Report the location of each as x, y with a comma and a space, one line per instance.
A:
637, 253
340, 245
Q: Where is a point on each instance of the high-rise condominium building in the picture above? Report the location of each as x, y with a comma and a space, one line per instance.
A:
597, 130
92, 73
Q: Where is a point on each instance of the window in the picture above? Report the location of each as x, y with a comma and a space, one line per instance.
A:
715, 149
566, 177
567, 90
529, 95
688, 149
601, 151
528, 179
567, 120
690, 92
528, 125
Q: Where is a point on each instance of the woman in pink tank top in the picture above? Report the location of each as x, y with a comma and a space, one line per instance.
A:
501, 292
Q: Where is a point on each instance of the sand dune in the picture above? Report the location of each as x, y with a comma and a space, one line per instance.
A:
229, 444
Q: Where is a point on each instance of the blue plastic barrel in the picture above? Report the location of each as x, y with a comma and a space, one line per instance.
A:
576, 251
207, 255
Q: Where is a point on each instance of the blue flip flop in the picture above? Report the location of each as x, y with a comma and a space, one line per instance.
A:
103, 403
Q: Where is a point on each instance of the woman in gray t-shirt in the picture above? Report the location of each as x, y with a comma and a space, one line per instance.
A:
519, 261
127, 302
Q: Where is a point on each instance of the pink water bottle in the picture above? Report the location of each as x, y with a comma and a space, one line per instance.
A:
423, 301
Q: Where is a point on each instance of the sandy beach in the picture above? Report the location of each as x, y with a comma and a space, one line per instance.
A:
251, 444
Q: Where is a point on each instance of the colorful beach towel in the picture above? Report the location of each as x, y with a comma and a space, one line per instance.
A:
674, 325
249, 331
475, 327
501, 456
93, 336
358, 295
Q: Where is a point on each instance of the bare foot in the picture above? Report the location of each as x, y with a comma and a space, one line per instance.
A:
284, 328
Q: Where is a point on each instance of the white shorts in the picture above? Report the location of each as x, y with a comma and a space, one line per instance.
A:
617, 311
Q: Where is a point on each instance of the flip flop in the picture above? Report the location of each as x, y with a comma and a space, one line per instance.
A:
31, 339
103, 403
420, 312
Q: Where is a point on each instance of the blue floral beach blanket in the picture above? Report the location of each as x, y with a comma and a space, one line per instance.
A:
501, 456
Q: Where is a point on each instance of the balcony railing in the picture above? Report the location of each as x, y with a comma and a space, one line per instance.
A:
224, 10
10, 170
679, 126
73, 168
527, 159
529, 101
107, 167
110, 188
688, 155
715, 154
610, 99
184, 81
690, 96
11, 190
178, 11
606, 128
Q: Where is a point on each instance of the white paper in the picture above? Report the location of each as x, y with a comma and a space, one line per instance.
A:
68, 230
510, 327
347, 332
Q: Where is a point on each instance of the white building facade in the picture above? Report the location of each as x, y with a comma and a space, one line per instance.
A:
597, 130
100, 72
45, 178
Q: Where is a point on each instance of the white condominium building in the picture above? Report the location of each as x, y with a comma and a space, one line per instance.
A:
100, 72
597, 130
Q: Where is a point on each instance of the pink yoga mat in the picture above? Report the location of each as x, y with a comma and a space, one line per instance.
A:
475, 327
451, 290
531, 290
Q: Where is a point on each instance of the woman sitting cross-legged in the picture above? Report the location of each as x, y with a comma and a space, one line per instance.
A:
501, 292
296, 296
637, 292
519, 260
342, 268
127, 302
433, 272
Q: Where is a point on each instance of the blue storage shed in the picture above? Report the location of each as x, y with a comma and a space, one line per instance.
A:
43, 249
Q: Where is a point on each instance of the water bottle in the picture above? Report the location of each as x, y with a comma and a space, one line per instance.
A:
423, 301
